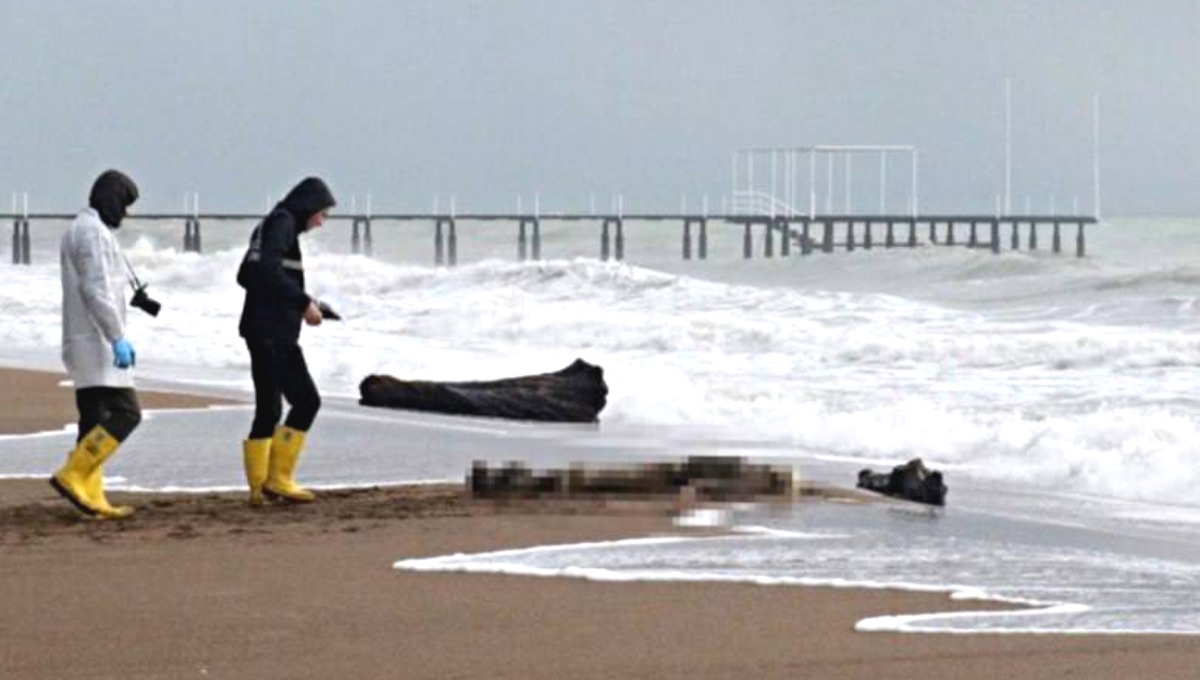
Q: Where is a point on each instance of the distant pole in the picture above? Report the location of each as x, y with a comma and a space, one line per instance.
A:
787, 178
1096, 156
812, 184
915, 173
750, 173
848, 173
882, 182
733, 195
773, 183
829, 184
1007, 146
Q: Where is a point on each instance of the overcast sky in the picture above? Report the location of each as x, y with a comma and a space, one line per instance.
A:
238, 99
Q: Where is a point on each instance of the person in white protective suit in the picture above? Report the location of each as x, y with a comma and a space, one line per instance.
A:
98, 357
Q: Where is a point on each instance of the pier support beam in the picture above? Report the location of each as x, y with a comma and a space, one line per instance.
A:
606, 238
1080, 246
950, 233
890, 238
912, 234
20, 241
850, 236
805, 239
827, 241
445, 242
687, 239
360, 243
995, 237
769, 239
1016, 236
1057, 239
933, 232
747, 243
868, 238
973, 237
785, 236
1033, 244
191, 235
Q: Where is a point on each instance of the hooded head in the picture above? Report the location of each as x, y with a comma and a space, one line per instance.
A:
112, 193
306, 199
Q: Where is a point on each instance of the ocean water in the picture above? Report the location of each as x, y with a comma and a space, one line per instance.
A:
1058, 394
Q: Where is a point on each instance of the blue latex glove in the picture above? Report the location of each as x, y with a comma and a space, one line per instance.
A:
123, 354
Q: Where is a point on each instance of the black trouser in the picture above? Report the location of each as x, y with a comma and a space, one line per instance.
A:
278, 369
116, 409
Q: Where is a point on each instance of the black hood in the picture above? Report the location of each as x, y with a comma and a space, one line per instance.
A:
112, 193
306, 199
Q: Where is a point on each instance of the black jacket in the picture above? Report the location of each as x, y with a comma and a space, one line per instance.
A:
272, 272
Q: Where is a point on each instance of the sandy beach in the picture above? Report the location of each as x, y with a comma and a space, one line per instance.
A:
200, 585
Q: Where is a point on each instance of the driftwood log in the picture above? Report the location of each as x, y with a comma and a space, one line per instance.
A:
576, 394
911, 481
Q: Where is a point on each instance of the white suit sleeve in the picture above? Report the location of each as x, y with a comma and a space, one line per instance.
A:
91, 256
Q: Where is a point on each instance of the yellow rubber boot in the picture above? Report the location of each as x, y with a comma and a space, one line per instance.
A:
80, 479
256, 454
96, 497
281, 472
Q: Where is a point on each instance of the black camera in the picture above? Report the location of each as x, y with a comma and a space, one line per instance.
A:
144, 302
327, 311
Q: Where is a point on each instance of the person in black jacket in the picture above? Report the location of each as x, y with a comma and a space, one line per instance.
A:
272, 273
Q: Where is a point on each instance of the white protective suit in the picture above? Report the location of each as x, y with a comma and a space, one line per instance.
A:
93, 302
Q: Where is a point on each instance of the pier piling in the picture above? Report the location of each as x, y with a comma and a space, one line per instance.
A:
439, 244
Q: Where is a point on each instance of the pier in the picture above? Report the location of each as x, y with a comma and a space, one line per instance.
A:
763, 235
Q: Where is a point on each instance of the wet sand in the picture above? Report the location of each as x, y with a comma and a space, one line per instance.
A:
201, 585
35, 401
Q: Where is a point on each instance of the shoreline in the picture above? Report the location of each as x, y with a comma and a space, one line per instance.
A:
198, 584
47, 406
